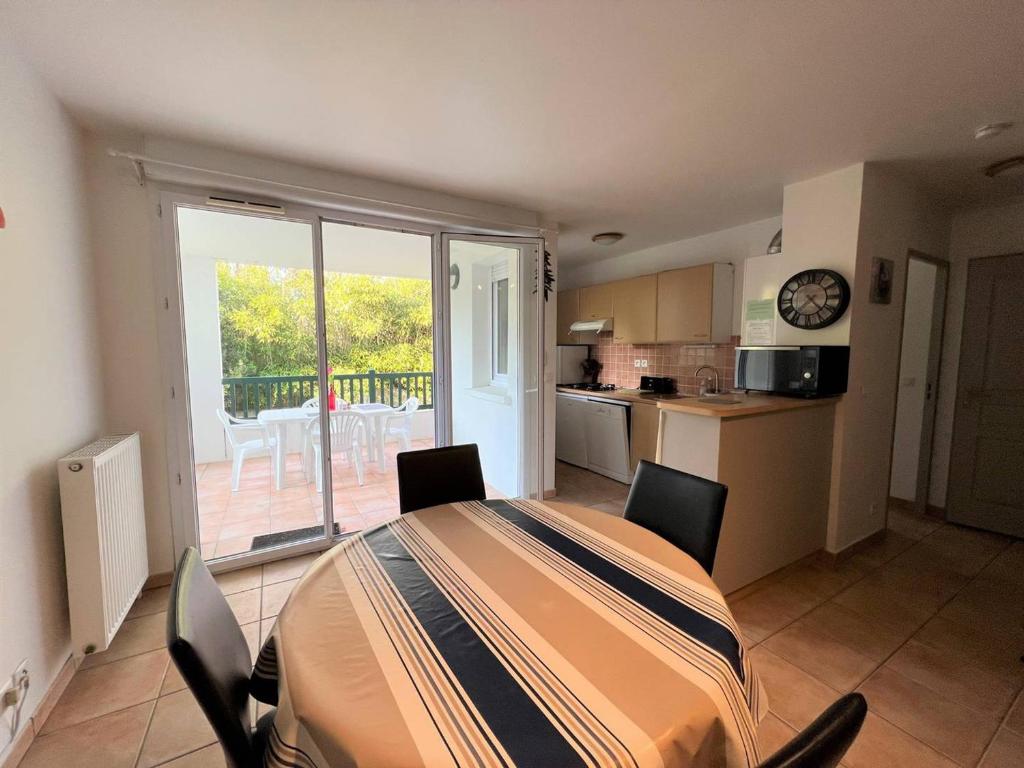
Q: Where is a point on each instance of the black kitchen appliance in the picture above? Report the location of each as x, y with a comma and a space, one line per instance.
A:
796, 371
659, 385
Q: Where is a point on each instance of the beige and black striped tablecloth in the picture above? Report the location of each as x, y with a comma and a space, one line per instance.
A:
509, 633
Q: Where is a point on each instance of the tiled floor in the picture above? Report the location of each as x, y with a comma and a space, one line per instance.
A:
927, 623
228, 520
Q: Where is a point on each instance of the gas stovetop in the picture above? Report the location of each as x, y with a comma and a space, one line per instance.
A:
591, 387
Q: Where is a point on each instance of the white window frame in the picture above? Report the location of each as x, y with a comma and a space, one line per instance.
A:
499, 272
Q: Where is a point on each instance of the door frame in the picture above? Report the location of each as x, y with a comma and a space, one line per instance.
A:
171, 337
927, 437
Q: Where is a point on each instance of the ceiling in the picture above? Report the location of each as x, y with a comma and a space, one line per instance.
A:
663, 120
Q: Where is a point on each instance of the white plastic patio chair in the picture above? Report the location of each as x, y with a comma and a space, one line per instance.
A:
400, 425
313, 404
346, 435
241, 449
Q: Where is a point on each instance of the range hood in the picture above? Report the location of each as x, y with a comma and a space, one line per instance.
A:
591, 326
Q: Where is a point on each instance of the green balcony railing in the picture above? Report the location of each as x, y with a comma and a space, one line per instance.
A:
246, 396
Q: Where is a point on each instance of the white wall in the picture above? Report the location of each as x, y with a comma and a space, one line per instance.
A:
978, 232
50, 360
917, 331
733, 245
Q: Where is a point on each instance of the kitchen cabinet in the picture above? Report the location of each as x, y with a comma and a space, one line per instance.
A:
694, 304
597, 302
568, 313
635, 312
643, 433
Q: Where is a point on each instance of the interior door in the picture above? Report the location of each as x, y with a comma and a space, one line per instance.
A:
987, 461
491, 357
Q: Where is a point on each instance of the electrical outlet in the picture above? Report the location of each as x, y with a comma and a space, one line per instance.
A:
643, 363
636, 363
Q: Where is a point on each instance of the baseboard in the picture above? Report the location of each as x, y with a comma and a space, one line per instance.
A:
773, 577
837, 557
158, 580
16, 749
898, 503
939, 513
550, 493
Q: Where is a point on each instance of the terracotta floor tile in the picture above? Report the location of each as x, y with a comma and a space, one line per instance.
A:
956, 678
173, 681
207, 757
969, 550
794, 696
911, 524
245, 606
954, 730
1005, 751
146, 633
149, 602
878, 553
108, 688
879, 603
881, 744
770, 609
1015, 720
110, 741
616, 508
823, 580
226, 547
773, 734
814, 650
996, 649
869, 638
274, 597
179, 726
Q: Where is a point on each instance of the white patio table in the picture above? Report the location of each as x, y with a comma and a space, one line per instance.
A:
375, 416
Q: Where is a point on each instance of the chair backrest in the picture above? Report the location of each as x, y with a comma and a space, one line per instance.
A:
683, 509
346, 427
211, 653
410, 405
313, 404
439, 476
823, 743
229, 427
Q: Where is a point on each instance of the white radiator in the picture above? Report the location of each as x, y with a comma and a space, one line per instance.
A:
104, 537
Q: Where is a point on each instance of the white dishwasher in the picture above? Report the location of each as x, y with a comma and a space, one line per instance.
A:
607, 428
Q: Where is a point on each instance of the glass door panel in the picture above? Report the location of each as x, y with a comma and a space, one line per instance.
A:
250, 312
495, 343
380, 354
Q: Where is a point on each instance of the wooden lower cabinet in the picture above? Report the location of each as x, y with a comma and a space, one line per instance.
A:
643, 433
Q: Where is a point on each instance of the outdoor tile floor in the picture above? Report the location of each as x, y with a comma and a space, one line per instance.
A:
927, 623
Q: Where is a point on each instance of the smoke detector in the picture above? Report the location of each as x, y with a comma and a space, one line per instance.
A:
1012, 166
607, 238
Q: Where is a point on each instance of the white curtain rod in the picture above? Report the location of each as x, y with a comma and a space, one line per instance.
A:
139, 162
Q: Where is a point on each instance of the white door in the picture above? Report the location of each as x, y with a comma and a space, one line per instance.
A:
491, 362
571, 430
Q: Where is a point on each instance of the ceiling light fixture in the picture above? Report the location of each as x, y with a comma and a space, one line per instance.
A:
989, 130
607, 238
1012, 165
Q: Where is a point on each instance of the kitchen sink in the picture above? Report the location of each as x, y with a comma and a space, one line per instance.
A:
718, 399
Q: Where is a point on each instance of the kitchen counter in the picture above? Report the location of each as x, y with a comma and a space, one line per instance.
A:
748, 405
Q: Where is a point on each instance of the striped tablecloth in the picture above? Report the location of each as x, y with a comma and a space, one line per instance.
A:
509, 633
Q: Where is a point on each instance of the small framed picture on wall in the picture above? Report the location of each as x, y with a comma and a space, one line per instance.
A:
881, 280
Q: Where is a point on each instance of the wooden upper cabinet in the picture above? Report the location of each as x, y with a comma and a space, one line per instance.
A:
685, 304
568, 313
596, 301
635, 310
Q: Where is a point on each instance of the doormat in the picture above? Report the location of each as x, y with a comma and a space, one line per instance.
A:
267, 540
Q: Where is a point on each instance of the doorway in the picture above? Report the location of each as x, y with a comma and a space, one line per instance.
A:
986, 473
312, 349
920, 350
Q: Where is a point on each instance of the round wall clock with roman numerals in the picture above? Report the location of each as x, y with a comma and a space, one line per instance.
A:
814, 298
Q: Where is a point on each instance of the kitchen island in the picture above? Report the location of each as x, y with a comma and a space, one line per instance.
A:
775, 455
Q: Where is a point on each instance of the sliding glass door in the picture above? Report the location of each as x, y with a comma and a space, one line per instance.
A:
494, 362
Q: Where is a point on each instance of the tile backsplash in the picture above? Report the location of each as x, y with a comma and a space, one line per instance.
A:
678, 361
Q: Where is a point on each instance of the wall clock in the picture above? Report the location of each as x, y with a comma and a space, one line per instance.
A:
814, 298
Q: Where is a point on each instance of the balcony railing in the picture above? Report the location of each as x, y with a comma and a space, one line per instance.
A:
246, 396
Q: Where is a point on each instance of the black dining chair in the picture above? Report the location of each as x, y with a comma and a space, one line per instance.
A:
823, 743
683, 509
211, 653
439, 476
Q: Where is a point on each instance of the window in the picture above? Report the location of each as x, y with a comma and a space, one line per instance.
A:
499, 325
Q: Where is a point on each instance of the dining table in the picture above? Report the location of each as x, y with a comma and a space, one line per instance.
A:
509, 632
277, 421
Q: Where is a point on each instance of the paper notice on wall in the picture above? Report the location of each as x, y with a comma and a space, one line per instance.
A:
759, 322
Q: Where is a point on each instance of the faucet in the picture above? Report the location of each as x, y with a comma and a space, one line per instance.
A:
703, 387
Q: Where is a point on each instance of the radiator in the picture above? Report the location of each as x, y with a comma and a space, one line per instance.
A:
104, 537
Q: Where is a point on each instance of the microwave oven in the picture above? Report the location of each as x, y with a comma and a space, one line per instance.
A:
796, 371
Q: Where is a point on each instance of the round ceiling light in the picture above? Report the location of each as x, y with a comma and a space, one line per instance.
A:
989, 130
1012, 166
607, 238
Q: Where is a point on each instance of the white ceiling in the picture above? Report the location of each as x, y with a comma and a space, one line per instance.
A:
660, 119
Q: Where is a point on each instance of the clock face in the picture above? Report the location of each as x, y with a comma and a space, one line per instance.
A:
814, 298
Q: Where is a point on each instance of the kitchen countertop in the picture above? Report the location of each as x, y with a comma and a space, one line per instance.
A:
748, 405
